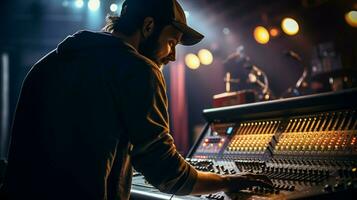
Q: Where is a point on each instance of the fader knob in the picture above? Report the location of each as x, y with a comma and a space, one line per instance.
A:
338, 186
327, 188
350, 185
291, 188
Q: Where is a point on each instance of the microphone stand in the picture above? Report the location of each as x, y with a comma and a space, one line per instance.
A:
256, 72
297, 90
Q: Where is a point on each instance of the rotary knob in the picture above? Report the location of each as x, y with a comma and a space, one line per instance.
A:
327, 188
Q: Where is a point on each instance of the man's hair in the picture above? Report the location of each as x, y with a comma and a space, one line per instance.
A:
120, 24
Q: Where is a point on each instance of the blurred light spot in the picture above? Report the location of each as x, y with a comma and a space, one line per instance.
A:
330, 80
93, 5
187, 14
261, 35
65, 3
79, 3
351, 18
274, 32
252, 78
290, 26
4, 101
266, 97
205, 57
192, 61
226, 31
113, 7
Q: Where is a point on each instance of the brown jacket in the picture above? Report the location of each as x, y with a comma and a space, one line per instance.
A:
88, 112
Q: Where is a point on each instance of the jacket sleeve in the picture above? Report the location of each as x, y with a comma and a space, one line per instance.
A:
143, 107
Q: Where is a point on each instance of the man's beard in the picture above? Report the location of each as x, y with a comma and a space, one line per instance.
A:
150, 47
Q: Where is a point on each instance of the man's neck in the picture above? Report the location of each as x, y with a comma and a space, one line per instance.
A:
132, 40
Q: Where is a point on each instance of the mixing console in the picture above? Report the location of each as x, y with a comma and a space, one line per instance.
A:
306, 146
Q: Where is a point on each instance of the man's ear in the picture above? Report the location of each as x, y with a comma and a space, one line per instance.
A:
148, 27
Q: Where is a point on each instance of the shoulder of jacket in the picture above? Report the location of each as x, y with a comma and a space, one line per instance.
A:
141, 60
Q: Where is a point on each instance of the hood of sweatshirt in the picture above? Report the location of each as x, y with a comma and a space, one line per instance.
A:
84, 41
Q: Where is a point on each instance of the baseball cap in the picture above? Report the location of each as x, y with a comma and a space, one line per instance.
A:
168, 11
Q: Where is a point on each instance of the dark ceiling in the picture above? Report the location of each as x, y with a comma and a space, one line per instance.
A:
268, 10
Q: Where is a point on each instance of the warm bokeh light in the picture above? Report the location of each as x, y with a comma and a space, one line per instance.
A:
93, 5
274, 32
290, 26
261, 35
113, 7
205, 57
192, 61
351, 18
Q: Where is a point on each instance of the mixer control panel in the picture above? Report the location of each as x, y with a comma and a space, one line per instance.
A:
252, 137
307, 146
215, 140
303, 155
330, 133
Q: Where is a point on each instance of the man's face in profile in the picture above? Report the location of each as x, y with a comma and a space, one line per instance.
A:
160, 46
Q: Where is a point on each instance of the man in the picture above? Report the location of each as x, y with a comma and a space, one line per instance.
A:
96, 106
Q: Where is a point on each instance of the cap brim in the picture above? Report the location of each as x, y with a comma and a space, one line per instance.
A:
190, 36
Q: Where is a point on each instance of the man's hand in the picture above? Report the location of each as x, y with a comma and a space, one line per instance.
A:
210, 183
242, 181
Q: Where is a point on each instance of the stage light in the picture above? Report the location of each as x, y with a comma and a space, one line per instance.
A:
261, 35
93, 5
226, 31
79, 3
351, 18
192, 61
65, 3
274, 32
290, 26
205, 57
113, 7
